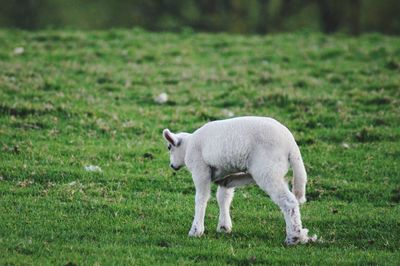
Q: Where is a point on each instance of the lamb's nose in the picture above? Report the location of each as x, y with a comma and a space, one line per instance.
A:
173, 167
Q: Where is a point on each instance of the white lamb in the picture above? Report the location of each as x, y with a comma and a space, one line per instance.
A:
240, 151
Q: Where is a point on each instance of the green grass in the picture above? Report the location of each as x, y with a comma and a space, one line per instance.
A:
86, 98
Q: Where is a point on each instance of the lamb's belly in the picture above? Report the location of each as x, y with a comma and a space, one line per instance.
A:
221, 171
218, 173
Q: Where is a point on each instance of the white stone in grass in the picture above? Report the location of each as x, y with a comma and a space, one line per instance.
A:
345, 145
93, 168
228, 113
19, 50
161, 98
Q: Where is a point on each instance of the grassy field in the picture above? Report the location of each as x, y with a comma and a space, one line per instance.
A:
72, 99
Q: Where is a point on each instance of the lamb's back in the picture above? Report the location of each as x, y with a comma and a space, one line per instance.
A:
232, 141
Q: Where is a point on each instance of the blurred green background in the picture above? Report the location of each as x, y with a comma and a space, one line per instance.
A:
238, 16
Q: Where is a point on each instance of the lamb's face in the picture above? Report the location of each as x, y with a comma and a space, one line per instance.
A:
176, 149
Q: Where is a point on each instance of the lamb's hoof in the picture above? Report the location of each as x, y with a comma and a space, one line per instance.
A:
195, 232
224, 229
302, 238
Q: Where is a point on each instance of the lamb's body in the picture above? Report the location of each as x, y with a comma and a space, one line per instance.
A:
230, 145
238, 151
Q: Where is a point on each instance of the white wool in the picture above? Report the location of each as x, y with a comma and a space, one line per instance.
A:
241, 151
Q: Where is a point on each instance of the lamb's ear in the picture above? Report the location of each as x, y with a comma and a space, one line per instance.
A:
170, 137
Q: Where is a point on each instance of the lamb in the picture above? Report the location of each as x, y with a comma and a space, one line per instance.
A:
236, 152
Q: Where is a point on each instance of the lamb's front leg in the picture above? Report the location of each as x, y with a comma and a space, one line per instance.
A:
224, 198
202, 183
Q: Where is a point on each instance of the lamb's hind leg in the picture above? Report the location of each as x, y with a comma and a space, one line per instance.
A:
224, 198
273, 183
289, 205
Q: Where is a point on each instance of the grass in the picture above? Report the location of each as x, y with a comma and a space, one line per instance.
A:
73, 99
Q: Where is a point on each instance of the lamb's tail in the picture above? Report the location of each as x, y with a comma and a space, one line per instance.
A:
299, 174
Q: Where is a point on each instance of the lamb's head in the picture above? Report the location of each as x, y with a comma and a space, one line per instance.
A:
177, 148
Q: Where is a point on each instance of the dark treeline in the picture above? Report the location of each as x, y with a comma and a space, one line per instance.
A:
243, 16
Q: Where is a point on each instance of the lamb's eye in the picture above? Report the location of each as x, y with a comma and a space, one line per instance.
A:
169, 147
